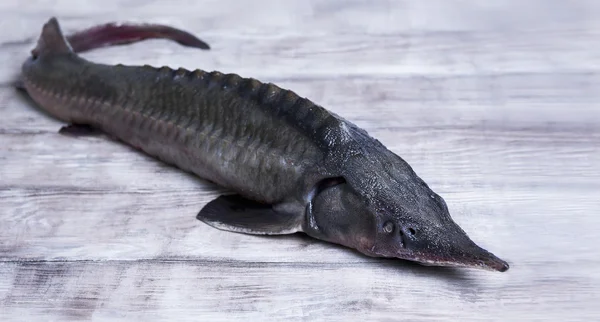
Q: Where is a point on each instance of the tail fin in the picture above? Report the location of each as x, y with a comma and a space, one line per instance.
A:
111, 34
51, 40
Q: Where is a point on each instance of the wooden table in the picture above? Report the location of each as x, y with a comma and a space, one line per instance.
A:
495, 104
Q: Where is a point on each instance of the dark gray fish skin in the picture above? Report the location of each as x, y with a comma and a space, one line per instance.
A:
295, 166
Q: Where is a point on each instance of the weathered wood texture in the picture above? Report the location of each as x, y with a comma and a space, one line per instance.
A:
494, 103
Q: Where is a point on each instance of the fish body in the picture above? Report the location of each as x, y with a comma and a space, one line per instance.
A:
294, 166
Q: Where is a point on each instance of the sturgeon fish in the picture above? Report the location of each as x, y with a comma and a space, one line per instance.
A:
293, 165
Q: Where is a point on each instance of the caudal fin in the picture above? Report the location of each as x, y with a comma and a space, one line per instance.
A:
111, 34
52, 40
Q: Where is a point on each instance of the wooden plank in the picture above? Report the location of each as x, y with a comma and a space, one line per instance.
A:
197, 290
320, 16
477, 156
494, 103
508, 102
120, 197
331, 40
94, 225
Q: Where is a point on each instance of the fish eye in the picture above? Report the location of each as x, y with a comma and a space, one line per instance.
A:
388, 227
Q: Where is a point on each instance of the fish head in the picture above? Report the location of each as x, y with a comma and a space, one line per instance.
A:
423, 231
383, 209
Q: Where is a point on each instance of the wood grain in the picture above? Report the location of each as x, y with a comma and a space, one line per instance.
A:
494, 103
197, 290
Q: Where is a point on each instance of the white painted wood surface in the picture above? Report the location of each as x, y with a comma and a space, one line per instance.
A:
494, 103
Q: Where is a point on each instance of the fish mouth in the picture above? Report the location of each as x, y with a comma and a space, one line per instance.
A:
481, 259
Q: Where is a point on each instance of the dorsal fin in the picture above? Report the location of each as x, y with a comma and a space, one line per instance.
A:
52, 40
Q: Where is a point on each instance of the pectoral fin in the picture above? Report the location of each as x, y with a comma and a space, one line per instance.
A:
238, 214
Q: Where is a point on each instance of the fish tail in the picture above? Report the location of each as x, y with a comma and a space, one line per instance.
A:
112, 34
52, 39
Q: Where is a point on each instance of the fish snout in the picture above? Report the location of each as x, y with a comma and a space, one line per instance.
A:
456, 250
